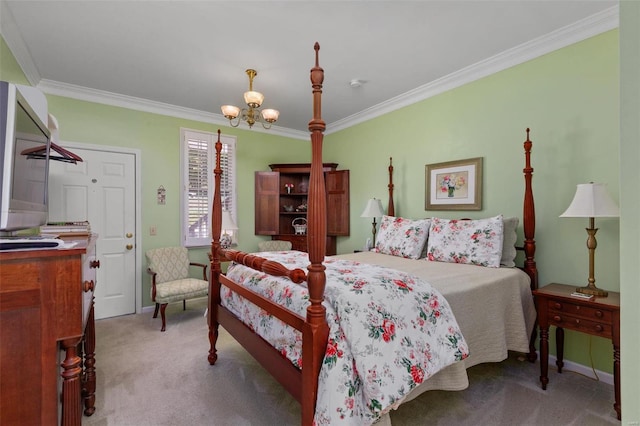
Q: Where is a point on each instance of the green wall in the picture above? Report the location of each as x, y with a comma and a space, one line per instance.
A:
569, 99
630, 207
158, 138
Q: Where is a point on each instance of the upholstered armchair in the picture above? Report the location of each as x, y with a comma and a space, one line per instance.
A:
170, 281
274, 245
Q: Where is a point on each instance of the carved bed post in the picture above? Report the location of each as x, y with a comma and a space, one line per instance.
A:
214, 279
314, 342
529, 218
529, 224
391, 210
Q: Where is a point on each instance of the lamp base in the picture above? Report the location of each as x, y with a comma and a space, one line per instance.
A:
593, 290
225, 241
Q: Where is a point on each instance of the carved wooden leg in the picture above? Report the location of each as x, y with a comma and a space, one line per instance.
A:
163, 307
544, 356
155, 312
212, 315
560, 348
71, 385
89, 389
533, 355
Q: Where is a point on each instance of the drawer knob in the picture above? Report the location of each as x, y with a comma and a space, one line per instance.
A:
577, 322
557, 305
557, 318
94, 264
88, 286
599, 328
599, 314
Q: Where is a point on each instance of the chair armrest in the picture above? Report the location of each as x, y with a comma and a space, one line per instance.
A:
204, 269
153, 283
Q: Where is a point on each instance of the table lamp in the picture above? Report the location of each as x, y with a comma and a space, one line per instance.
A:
592, 200
373, 209
227, 225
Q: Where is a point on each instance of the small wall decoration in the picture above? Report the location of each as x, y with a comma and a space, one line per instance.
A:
454, 185
162, 195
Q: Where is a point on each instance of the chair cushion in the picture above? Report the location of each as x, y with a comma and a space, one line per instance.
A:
169, 263
274, 245
174, 291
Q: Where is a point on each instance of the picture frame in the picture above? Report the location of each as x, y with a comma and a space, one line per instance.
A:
454, 185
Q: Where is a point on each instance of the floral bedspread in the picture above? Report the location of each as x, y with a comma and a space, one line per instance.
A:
389, 332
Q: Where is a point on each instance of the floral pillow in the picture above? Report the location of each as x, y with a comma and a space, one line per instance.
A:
402, 237
476, 242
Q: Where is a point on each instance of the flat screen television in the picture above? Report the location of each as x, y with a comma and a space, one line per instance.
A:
24, 157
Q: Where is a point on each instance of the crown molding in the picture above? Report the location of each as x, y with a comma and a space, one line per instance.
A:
72, 91
576, 32
13, 38
581, 30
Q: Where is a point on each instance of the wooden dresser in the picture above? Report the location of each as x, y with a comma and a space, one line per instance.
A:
46, 305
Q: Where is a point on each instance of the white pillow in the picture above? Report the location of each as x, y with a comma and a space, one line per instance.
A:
509, 242
402, 237
476, 242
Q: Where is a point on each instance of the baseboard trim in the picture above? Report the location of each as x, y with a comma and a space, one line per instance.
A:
147, 309
584, 370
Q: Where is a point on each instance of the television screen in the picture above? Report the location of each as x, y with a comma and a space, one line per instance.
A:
25, 161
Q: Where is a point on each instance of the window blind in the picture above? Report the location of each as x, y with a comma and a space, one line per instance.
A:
198, 153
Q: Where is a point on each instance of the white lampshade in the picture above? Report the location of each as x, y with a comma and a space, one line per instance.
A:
592, 200
373, 208
230, 111
270, 115
253, 99
227, 222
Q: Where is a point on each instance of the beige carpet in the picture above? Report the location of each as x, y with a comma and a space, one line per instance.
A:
146, 377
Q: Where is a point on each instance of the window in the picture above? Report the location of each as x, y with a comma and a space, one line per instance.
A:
198, 161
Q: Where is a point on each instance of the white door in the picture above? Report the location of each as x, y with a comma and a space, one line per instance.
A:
101, 189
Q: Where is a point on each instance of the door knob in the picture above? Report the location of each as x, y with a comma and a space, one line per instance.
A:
129, 235
129, 246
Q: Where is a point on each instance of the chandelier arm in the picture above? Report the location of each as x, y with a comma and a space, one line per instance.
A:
237, 121
266, 126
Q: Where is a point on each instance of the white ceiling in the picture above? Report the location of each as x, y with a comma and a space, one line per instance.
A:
187, 58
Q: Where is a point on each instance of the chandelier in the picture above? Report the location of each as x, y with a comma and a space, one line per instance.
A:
252, 115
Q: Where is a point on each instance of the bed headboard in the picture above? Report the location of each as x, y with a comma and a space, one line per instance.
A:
528, 214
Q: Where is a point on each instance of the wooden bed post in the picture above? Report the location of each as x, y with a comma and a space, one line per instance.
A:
214, 278
529, 225
529, 218
391, 210
314, 342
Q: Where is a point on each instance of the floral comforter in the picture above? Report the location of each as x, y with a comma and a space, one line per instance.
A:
389, 332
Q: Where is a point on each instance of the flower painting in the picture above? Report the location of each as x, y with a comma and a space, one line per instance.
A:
454, 185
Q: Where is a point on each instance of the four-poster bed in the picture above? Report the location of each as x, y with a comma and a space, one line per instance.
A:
314, 341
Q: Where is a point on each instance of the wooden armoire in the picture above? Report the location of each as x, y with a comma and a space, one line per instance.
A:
281, 203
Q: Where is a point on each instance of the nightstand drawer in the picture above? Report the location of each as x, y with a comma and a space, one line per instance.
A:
573, 322
586, 312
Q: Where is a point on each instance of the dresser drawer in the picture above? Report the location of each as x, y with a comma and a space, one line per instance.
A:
572, 322
89, 265
581, 311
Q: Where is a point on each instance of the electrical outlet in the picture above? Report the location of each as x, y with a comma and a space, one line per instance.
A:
153, 230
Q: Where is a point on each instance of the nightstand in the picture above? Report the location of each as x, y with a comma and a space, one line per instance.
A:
599, 316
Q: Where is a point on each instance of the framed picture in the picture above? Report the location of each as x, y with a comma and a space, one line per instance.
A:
454, 185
